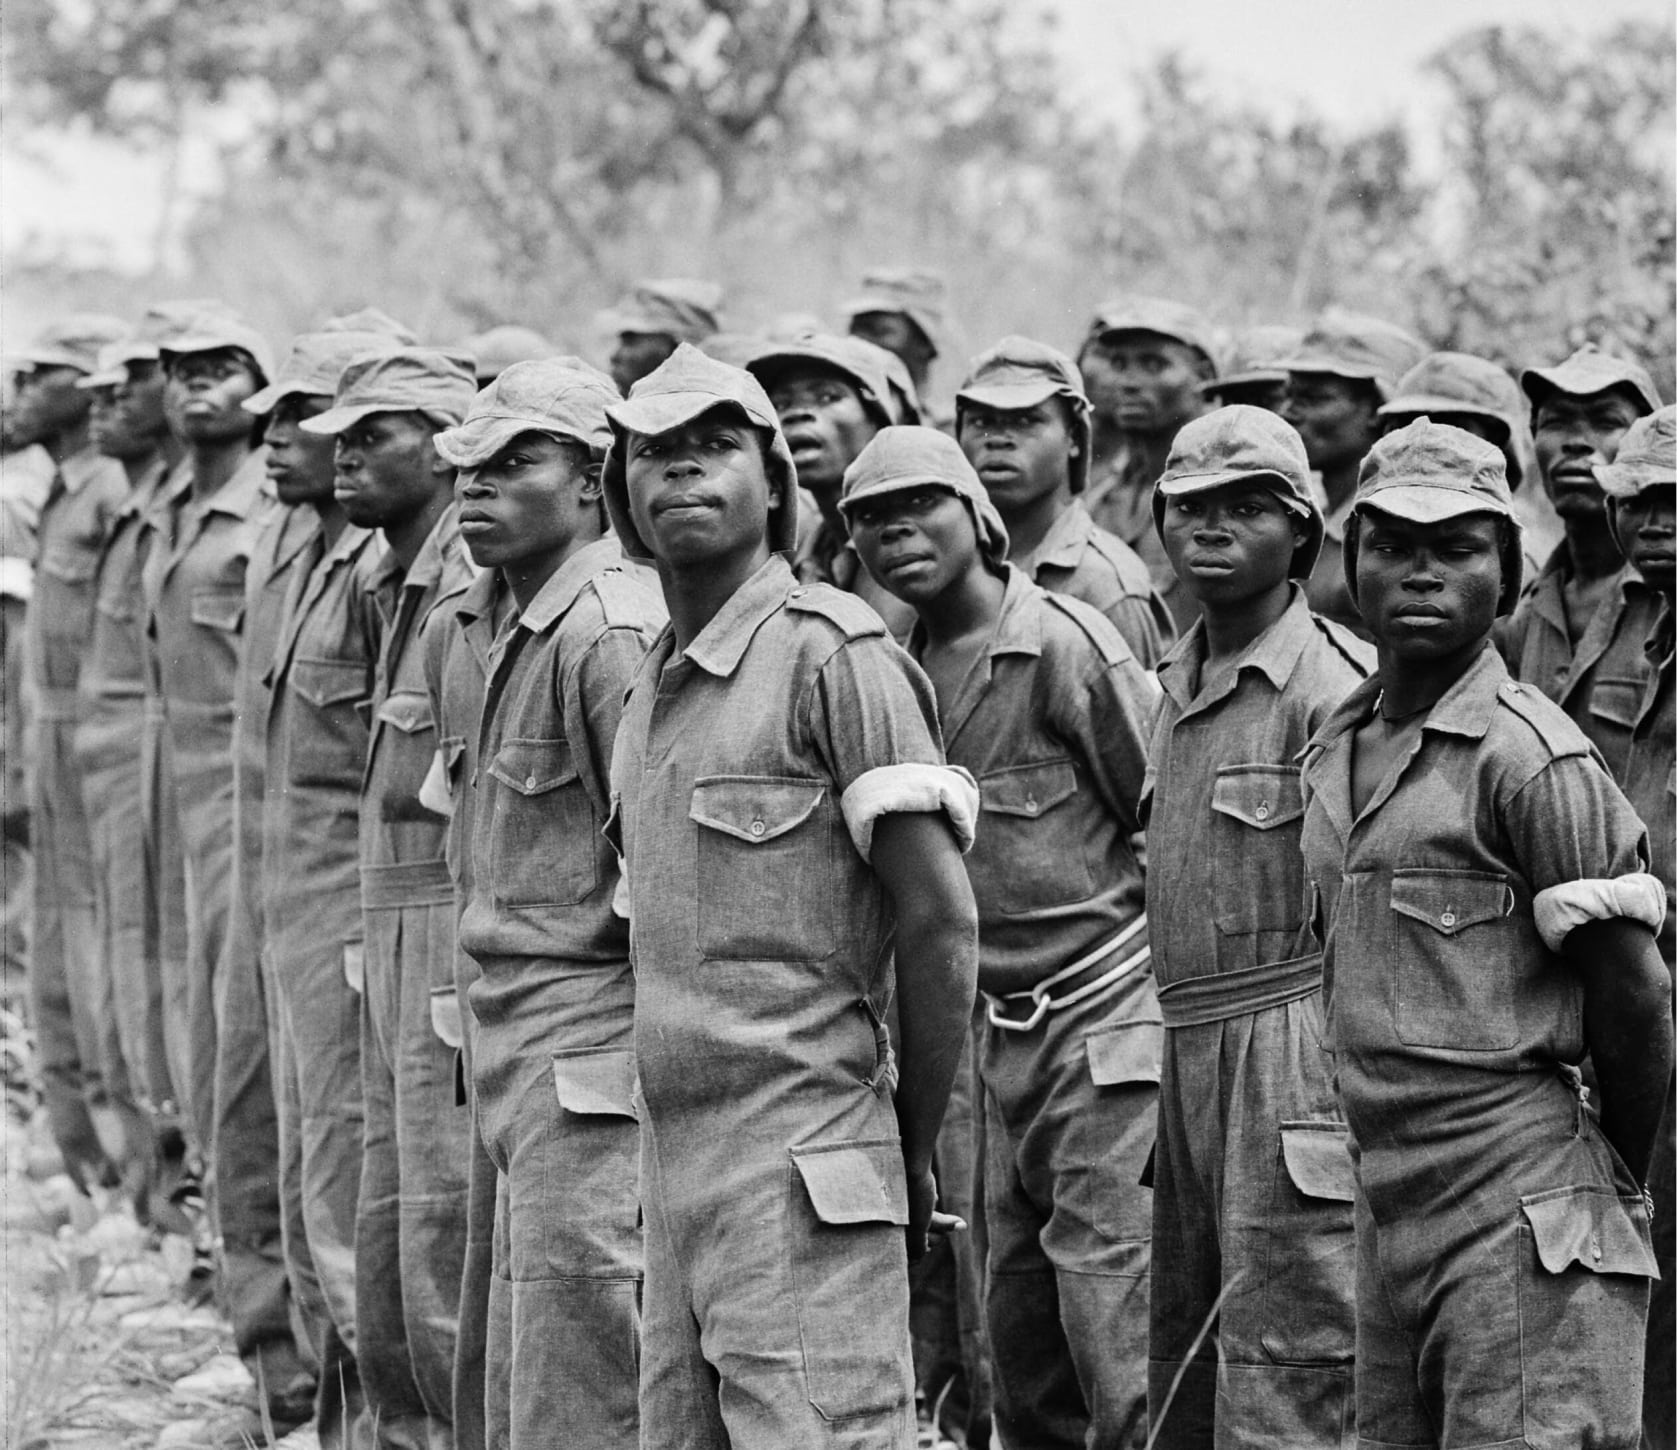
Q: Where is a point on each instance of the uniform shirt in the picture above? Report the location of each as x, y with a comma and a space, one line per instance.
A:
760, 936
320, 700
456, 644
194, 584
81, 507
1650, 774
1600, 684
1223, 807
1082, 561
1436, 980
395, 826
543, 875
113, 673
1051, 722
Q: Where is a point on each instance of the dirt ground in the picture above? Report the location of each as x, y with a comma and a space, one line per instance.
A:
101, 1348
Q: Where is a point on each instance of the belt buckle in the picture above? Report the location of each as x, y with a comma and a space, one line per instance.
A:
1037, 1013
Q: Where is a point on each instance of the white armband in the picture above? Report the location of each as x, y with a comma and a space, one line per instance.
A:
1558, 909
434, 793
893, 789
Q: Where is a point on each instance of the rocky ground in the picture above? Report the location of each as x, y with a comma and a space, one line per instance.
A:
102, 1348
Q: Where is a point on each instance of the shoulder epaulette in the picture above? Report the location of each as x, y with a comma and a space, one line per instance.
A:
1551, 724
1350, 646
624, 600
853, 617
1130, 569
1101, 631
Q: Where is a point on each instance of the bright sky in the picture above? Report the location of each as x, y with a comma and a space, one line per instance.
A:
1353, 61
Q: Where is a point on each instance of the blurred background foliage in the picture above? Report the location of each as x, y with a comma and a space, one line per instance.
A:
462, 162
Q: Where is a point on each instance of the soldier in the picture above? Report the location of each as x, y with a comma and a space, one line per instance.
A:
1579, 632
410, 1230
1488, 918
1251, 1181
75, 517
904, 311
1247, 371
1346, 367
655, 318
786, 820
1023, 420
1639, 484
554, 1003
1143, 361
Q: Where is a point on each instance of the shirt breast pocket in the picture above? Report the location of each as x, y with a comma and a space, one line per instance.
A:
411, 733
1617, 700
1030, 853
222, 610
1257, 870
1452, 960
765, 860
330, 746
545, 847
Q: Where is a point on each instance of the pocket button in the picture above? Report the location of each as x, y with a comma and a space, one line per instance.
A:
1262, 812
757, 827
1448, 919
1595, 1247
1031, 806
529, 782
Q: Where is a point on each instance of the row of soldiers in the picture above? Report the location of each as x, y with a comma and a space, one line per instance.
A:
386, 700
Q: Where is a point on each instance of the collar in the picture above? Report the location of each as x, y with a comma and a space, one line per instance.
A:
1275, 653
1659, 646
478, 602
722, 643
1465, 709
82, 466
241, 495
1063, 546
1018, 631
560, 592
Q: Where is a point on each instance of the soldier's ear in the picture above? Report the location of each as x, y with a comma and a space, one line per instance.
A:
593, 481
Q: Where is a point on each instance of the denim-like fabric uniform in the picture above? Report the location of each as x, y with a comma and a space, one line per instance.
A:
319, 707
410, 1233
1051, 724
69, 992
1083, 561
1495, 1224
776, 1301
554, 1006
1251, 1180
109, 745
257, 1206
1600, 681
455, 642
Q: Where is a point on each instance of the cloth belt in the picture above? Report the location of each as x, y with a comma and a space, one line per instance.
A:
406, 883
1089, 974
1223, 995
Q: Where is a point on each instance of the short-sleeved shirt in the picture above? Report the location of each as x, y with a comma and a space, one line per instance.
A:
1650, 774
318, 712
1051, 722
1600, 684
1437, 982
396, 826
760, 937
1226, 890
1079, 559
543, 874
80, 508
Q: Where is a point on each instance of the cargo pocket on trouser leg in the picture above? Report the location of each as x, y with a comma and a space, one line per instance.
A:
1586, 1263
1310, 1274
847, 1205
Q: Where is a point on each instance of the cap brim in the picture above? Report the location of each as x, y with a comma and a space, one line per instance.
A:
335, 420
1010, 397
477, 440
109, 378
269, 397
903, 483
1422, 405
1425, 503
663, 412
1283, 487
1626, 480
1321, 363
1250, 378
42, 357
